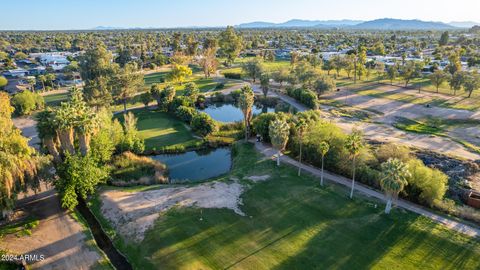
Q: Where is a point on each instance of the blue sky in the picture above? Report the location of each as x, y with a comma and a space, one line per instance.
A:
86, 14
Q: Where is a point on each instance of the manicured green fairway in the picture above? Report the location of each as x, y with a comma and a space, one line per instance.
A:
162, 130
55, 99
293, 223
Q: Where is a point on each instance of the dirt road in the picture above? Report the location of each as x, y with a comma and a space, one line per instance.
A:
58, 236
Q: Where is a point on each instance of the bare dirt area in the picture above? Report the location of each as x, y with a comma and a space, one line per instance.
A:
58, 236
28, 126
385, 133
133, 213
392, 109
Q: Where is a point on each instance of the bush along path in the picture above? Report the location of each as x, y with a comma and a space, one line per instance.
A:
449, 223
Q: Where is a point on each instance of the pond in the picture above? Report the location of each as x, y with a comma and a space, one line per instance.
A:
196, 165
224, 112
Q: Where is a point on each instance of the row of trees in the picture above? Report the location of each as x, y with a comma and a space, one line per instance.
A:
81, 142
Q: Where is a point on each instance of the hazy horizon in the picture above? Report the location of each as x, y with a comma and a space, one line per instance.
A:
88, 14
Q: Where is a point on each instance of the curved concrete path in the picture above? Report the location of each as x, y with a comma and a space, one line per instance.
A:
269, 152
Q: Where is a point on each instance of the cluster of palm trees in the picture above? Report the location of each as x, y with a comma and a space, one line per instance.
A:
58, 128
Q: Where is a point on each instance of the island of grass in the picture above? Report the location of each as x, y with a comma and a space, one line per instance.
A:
161, 130
292, 222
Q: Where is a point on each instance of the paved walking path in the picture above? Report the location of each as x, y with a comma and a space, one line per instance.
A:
449, 223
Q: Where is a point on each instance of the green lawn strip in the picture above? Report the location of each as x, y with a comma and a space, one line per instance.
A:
161, 130
293, 223
103, 264
55, 99
21, 228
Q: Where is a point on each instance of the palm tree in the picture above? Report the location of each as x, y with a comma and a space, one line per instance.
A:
323, 148
279, 132
265, 83
245, 102
85, 120
46, 128
42, 79
301, 126
354, 144
395, 174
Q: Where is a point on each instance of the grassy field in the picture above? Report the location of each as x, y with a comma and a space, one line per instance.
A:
293, 223
55, 99
160, 130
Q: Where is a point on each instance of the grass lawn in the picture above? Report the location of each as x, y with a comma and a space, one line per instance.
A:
293, 223
159, 129
55, 99
157, 77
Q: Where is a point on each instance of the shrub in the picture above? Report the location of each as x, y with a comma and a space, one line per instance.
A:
131, 140
391, 150
261, 124
305, 96
233, 75
427, 184
185, 113
26, 102
203, 124
220, 86
180, 101
130, 169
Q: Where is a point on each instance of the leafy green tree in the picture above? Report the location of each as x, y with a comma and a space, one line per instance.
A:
156, 92
437, 78
3, 82
471, 82
127, 83
179, 73
354, 144
281, 76
230, 44
392, 73
279, 130
323, 148
456, 81
203, 124
98, 72
26, 102
208, 61
131, 141
146, 98
395, 174
444, 39
409, 71
78, 177
324, 84
261, 125
253, 68
192, 91
20, 166
427, 184
245, 102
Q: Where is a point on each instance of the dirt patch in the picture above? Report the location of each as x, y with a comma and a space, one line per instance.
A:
258, 178
133, 213
58, 236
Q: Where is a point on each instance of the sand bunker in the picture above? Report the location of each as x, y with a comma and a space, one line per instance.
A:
133, 213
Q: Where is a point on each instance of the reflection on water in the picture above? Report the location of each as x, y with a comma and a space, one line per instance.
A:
230, 113
197, 165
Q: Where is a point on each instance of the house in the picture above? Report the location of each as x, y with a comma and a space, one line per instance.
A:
15, 73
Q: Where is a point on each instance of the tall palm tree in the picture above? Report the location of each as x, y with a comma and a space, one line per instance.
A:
46, 127
245, 102
265, 83
395, 174
279, 130
323, 148
354, 144
65, 122
301, 125
85, 120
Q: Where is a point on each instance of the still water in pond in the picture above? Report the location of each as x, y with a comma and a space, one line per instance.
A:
230, 113
197, 165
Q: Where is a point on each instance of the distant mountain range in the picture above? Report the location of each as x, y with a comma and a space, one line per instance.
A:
379, 24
